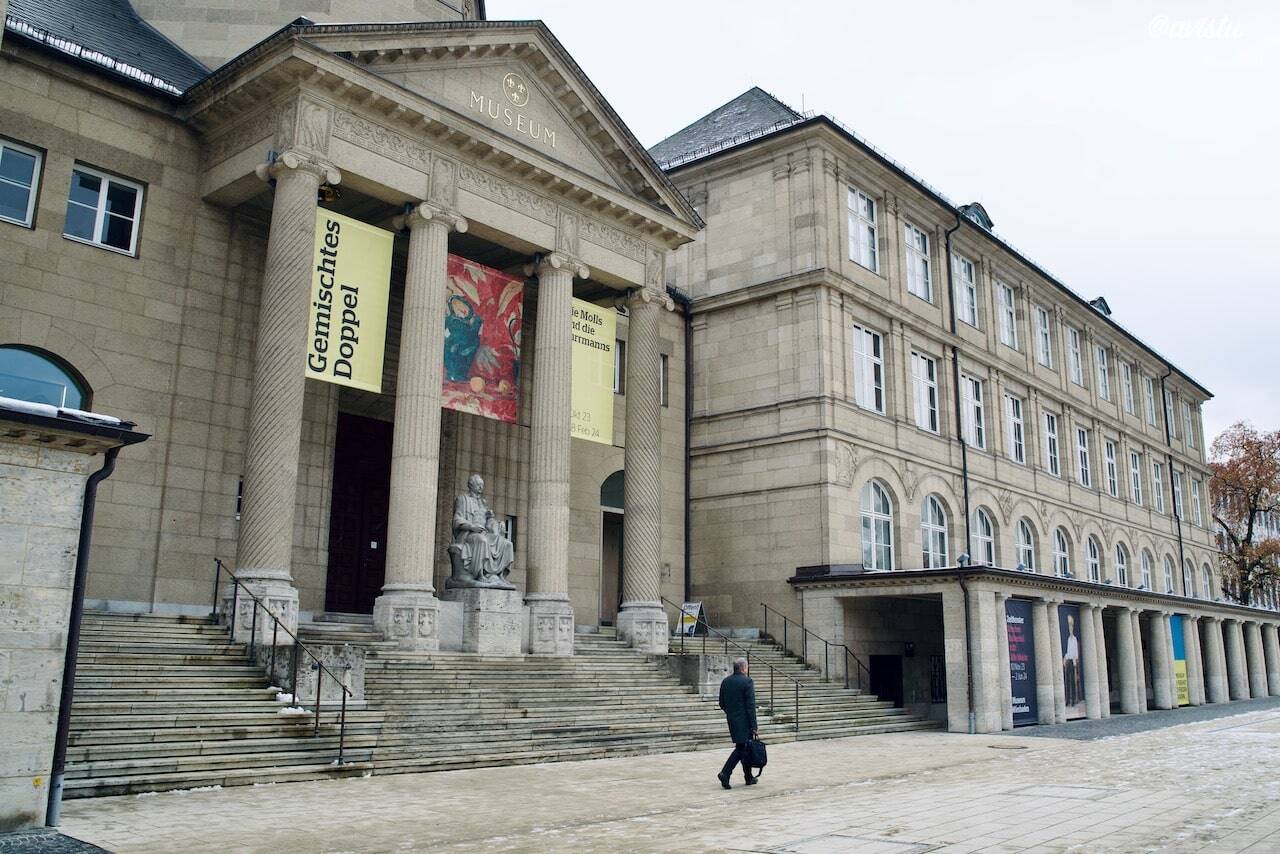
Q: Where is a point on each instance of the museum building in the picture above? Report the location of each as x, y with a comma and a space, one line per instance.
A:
829, 392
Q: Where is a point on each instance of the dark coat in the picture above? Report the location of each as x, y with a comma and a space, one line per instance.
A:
738, 699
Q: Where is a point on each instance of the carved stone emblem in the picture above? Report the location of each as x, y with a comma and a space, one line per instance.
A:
516, 90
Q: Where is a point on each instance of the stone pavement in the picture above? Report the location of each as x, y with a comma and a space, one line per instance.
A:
1206, 786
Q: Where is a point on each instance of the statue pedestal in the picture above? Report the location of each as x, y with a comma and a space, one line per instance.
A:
550, 624
492, 620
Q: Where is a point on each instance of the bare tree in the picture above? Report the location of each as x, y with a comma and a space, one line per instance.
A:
1245, 490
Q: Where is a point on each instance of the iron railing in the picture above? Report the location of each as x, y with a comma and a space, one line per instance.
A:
862, 673
725, 643
317, 665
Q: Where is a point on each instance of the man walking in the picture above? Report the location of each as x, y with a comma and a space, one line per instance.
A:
738, 699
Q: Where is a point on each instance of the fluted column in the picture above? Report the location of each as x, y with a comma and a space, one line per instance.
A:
407, 610
642, 621
1253, 655
1237, 672
1100, 655
1126, 662
265, 546
1195, 660
1089, 663
1161, 662
1215, 662
1059, 680
1271, 649
1045, 662
550, 614
1002, 662
1135, 619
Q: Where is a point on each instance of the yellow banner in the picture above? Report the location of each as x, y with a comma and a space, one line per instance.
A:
350, 285
595, 332
1181, 685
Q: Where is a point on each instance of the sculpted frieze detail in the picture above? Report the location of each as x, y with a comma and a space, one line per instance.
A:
609, 237
505, 193
241, 135
382, 140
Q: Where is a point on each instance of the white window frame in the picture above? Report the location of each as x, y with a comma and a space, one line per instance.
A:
1008, 315
1188, 426
973, 416
1093, 559
1015, 428
924, 387
984, 536
868, 369
933, 533
1104, 372
1122, 565
966, 274
1168, 574
1061, 553
1075, 361
1025, 543
34, 190
664, 395
1206, 581
1126, 380
1145, 561
874, 521
619, 363
919, 272
1197, 511
1053, 459
1157, 486
1175, 480
1169, 418
1044, 336
863, 231
1113, 481
1135, 477
99, 223
1149, 387
1084, 473
1188, 578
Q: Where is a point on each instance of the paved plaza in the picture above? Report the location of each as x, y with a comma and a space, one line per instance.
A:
1205, 786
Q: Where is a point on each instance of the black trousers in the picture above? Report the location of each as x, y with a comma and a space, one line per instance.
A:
740, 754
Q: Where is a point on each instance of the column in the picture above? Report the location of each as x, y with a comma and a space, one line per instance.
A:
1089, 663
265, 546
1271, 649
1161, 662
1045, 663
642, 621
984, 659
1100, 650
550, 614
1215, 662
1002, 662
407, 610
1237, 672
1195, 659
1059, 680
1257, 666
1126, 662
1135, 619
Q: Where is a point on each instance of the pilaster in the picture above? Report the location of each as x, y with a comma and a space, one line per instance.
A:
1002, 661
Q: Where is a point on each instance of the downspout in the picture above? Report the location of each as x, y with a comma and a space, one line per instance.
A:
53, 813
1168, 455
964, 472
684, 302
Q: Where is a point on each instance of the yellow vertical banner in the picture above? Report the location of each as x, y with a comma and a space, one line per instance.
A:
595, 331
350, 287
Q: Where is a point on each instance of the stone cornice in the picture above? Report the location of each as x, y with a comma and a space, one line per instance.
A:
66, 434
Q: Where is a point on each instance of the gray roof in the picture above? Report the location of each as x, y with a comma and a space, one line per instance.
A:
107, 34
753, 113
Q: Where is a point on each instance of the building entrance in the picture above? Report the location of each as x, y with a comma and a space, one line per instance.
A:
358, 516
886, 678
610, 567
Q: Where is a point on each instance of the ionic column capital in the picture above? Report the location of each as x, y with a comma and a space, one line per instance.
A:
290, 161
423, 213
640, 297
558, 262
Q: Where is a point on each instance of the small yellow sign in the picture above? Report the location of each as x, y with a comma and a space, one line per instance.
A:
1181, 686
595, 331
350, 287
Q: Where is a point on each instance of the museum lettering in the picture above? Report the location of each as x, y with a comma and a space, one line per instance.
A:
522, 124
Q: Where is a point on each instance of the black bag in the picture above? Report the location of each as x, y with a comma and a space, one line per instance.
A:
757, 754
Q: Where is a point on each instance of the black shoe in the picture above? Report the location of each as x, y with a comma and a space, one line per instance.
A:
724, 781
751, 781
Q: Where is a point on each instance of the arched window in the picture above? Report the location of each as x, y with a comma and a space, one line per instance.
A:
1206, 582
1093, 553
40, 377
984, 538
877, 527
1061, 553
1146, 570
1188, 578
933, 533
1168, 574
1122, 565
611, 491
1026, 541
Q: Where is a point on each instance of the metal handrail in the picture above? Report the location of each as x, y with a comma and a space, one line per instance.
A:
319, 666
727, 642
826, 649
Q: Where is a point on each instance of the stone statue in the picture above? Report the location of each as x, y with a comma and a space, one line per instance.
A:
481, 555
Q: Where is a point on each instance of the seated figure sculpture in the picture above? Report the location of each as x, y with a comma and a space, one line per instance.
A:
480, 555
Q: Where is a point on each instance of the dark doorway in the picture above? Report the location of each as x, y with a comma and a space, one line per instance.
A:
886, 678
358, 518
610, 567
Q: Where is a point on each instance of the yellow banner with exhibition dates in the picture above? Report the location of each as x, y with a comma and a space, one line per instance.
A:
595, 331
350, 286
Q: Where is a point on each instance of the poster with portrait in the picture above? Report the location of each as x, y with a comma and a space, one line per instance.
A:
1182, 688
483, 313
1072, 659
1022, 662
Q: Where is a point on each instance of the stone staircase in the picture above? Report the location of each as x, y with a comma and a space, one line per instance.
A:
167, 703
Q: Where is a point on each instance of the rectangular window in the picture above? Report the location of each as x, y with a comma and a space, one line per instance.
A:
1016, 437
1169, 420
619, 364
1135, 477
973, 416
862, 229
103, 210
1104, 373
1084, 475
19, 180
918, 278
662, 380
1157, 486
1074, 360
1044, 338
924, 386
966, 289
1051, 444
1175, 478
1126, 381
1188, 425
1197, 513
1008, 316
1149, 385
868, 370
1113, 480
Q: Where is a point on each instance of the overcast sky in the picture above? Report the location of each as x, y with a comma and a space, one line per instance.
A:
1132, 148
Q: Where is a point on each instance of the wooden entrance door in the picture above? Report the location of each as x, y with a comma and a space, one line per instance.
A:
358, 517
